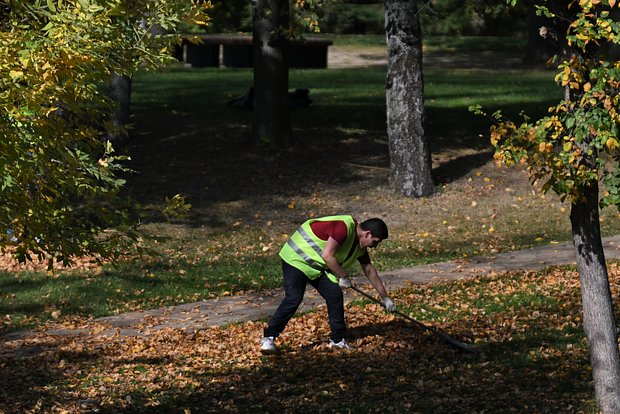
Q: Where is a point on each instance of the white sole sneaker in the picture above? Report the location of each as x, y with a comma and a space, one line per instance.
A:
267, 345
340, 345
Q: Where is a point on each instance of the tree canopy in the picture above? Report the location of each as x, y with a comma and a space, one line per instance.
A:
59, 180
578, 141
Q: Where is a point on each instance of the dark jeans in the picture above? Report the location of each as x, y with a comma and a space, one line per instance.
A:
295, 282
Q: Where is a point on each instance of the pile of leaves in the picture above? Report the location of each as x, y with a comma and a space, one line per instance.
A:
533, 359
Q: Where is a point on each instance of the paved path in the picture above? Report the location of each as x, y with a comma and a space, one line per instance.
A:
339, 57
215, 312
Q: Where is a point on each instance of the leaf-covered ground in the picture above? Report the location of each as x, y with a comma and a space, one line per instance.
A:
533, 359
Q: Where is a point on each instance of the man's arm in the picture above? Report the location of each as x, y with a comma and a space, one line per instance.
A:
329, 255
375, 280
373, 276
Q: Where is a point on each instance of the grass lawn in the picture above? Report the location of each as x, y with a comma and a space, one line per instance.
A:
432, 44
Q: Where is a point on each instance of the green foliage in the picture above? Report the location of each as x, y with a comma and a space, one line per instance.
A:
338, 17
439, 17
578, 141
230, 16
479, 17
304, 15
58, 179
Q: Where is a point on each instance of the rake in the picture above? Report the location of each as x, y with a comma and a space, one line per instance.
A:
442, 335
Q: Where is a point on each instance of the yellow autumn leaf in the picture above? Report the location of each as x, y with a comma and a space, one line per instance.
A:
16, 74
542, 147
611, 144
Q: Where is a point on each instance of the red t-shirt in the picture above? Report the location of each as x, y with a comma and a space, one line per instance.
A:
337, 230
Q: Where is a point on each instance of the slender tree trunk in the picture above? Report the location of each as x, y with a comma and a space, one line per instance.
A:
409, 149
119, 90
539, 49
272, 122
598, 314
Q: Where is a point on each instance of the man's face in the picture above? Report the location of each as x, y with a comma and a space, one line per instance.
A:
369, 240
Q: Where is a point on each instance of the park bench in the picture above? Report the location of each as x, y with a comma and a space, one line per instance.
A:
235, 51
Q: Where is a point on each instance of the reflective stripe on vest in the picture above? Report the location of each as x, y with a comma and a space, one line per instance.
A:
302, 254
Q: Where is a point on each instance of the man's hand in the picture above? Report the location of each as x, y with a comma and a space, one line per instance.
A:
344, 282
388, 304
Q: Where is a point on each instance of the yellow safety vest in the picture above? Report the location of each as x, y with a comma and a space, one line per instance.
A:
304, 250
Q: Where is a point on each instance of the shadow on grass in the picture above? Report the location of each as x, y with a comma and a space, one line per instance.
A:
415, 373
429, 377
10, 283
186, 140
461, 166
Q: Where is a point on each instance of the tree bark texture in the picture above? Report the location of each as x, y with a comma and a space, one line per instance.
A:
272, 122
409, 148
598, 313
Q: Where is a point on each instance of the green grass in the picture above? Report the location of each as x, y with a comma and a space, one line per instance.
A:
473, 44
233, 266
433, 44
353, 98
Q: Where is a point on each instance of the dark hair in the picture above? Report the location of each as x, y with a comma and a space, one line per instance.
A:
376, 226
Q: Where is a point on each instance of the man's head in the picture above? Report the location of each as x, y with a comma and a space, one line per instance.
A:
373, 231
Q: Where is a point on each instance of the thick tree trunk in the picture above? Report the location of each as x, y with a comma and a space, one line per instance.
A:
272, 122
119, 90
409, 149
598, 314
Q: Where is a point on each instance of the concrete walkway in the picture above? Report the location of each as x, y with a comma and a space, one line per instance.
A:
223, 310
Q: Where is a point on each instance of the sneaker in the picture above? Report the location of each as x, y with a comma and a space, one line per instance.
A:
267, 346
340, 345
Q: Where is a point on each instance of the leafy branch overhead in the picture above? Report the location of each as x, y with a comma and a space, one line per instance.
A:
59, 180
578, 141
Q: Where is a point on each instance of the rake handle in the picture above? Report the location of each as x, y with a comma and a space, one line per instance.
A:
444, 336
361, 292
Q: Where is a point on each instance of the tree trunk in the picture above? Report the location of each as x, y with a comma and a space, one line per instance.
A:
598, 314
119, 90
272, 122
539, 49
409, 150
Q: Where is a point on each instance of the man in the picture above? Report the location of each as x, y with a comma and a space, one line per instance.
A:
319, 253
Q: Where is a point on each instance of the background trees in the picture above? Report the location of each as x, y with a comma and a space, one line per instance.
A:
571, 149
59, 179
271, 118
